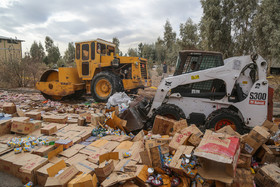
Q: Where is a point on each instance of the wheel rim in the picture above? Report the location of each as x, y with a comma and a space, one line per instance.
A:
103, 88
225, 122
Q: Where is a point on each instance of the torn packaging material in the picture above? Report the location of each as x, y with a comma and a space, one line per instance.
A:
42, 174
175, 163
218, 153
179, 139
268, 175
86, 166
162, 125
268, 154
251, 142
243, 178
72, 150
63, 178
83, 180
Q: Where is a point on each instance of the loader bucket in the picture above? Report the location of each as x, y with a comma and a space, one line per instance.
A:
135, 116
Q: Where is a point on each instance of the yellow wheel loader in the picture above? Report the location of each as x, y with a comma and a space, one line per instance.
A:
99, 72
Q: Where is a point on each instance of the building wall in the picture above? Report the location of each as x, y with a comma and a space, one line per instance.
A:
10, 50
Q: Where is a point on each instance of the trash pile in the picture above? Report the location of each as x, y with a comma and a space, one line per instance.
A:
58, 144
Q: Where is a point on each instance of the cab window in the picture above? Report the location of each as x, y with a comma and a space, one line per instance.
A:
92, 50
101, 48
85, 52
110, 49
78, 51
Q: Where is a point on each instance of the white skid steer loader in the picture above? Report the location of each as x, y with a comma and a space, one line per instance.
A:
212, 93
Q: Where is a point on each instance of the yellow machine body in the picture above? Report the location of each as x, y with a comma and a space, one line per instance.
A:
92, 58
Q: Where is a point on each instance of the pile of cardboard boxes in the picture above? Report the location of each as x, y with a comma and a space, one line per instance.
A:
173, 153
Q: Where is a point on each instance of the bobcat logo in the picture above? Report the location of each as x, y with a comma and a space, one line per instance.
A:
167, 83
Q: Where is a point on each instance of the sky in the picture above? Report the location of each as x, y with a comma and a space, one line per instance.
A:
131, 21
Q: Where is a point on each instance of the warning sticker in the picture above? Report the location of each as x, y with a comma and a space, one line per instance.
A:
195, 77
256, 102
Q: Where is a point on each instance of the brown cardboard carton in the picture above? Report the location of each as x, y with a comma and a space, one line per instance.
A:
22, 127
86, 166
269, 154
72, 150
49, 129
83, 180
272, 127
34, 115
162, 125
28, 170
9, 108
107, 164
178, 139
124, 164
244, 161
118, 138
139, 136
228, 130
243, 178
175, 163
76, 158
5, 126
44, 150
42, 174
194, 133
55, 119
135, 150
64, 177
55, 152
93, 151
218, 153
257, 136
81, 121
268, 175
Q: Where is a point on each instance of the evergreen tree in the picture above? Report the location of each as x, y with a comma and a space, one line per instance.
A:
37, 52
69, 55
188, 35
267, 24
52, 50
116, 41
169, 36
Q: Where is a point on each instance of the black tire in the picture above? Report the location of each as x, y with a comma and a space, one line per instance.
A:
115, 83
168, 110
216, 118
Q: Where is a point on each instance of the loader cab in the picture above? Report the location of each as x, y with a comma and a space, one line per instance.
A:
191, 61
89, 56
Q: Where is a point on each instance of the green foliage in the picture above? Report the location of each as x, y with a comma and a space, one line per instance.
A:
132, 52
169, 36
52, 50
37, 51
189, 37
267, 24
69, 55
116, 41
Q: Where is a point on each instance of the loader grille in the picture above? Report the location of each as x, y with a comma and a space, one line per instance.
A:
143, 71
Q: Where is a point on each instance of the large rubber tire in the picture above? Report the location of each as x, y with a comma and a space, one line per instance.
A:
223, 117
168, 110
111, 82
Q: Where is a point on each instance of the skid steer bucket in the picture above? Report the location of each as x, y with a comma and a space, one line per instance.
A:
135, 115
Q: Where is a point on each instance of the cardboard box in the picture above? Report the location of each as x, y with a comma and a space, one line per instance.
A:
44, 150
49, 129
72, 150
124, 164
228, 130
162, 125
66, 143
268, 175
175, 163
9, 108
76, 158
271, 127
64, 177
94, 153
55, 119
81, 121
269, 154
243, 178
218, 153
42, 174
104, 170
83, 180
194, 133
28, 170
22, 127
244, 160
86, 166
178, 139
257, 136
135, 150
34, 115
5, 126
